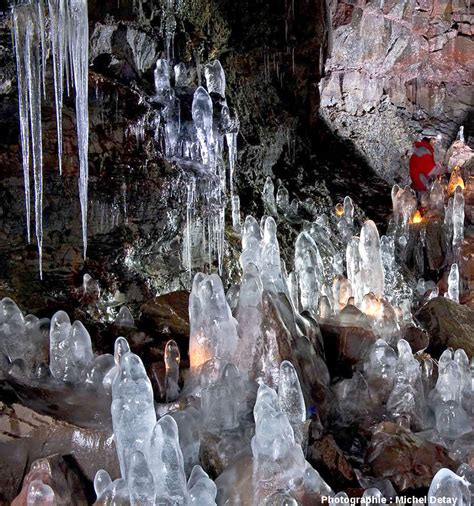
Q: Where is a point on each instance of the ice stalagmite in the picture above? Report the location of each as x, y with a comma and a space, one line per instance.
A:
453, 283
213, 328
40, 494
290, 399
215, 78
202, 117
372, 275
27, 36
79, 47
458, 221
172, 359
448, 485
141, 483
133, 411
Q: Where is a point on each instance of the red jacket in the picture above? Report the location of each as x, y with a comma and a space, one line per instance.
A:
422, 163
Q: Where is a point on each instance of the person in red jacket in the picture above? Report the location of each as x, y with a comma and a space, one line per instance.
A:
423, 167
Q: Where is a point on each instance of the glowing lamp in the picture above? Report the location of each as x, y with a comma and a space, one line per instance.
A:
455, 180
339, 210
416, 217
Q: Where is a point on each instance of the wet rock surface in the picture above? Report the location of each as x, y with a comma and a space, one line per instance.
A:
406, 460
26, 436
448, 325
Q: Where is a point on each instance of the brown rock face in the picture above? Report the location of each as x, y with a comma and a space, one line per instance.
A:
408, 461
169, 311
448, 324
397, 68
345, 346
26, 436
326, 456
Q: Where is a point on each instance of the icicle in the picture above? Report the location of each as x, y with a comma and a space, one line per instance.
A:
236, 213
23, 103
27, 44
57, 14
231, 139
43, 44
79, 44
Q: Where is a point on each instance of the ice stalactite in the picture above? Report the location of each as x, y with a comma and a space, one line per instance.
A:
69, 34
29, 44
79, 46
58, 24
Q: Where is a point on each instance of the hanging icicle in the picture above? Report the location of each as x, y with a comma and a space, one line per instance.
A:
69, 35
29, 47
79, 46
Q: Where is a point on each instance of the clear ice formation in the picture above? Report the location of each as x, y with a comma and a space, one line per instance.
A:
213, 328
70, 349
40, 494
124, 318
172, 359
69, 35
215, 78
453, 283
274, 443
448, 485
458, 221
198, 144
150, 456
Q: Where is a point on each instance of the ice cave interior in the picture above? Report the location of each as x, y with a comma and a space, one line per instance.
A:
236, 252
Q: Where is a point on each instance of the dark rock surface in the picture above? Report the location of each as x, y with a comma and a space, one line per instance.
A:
26, 436
408, 461
448, 324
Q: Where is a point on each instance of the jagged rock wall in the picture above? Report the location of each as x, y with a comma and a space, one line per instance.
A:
397, 69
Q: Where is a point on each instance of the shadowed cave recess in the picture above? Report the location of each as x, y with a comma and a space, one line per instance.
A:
218, 284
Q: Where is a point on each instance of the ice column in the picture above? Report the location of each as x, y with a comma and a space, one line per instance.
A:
213, 328
372, 276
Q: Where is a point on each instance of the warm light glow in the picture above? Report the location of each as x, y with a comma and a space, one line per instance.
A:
339, 210
416, 217
372, 306
455, 180
199, 352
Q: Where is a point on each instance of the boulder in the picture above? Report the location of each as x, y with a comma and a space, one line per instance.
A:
407, 460
325, 455
26, 436
169, 313
448, 325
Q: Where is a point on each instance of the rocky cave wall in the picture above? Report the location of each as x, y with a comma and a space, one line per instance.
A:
397, 70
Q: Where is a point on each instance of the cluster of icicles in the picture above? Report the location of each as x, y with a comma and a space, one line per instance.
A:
196, 141
69, 38
239, 388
